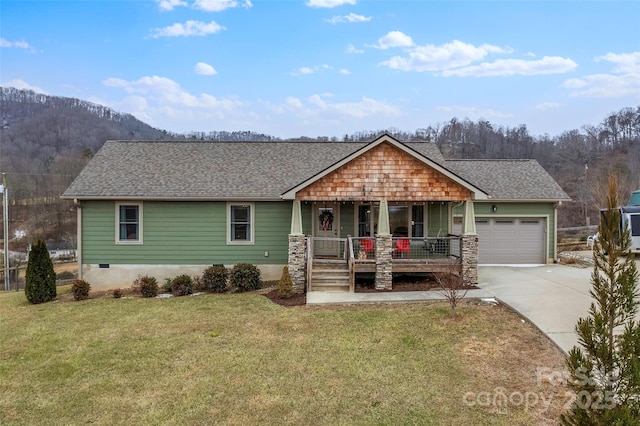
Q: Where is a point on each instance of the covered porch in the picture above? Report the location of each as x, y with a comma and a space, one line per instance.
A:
330, 263
386, 208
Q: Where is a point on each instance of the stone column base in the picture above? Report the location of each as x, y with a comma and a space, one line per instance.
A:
384, 267
469, 259
297, 263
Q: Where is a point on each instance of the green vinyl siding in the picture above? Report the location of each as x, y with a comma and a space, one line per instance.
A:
177, 233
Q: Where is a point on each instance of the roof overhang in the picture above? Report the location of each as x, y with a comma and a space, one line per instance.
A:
478, 194
137, 198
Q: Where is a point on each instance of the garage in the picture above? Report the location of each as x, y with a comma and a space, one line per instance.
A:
509, 240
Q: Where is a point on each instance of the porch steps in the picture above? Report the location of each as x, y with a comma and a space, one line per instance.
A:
332, 276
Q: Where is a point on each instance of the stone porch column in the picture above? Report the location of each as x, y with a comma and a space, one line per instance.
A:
384, 262
297, 264
469, 259
297, 247
384, 250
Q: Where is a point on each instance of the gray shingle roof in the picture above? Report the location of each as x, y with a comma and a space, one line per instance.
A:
247, 170
509, 179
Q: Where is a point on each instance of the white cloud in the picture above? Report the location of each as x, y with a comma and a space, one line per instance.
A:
164, 92
344, 71
394, 39
218, 5
626, 62
22, 85
188, 29
311, 70
474, 113
352, 17
329, 3
352, 49
170, 4
605, 85
437, 58
548, 105
319, 107
506, 67
204, 69
624, 79
18, 44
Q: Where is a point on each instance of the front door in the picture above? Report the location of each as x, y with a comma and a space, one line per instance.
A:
326, 226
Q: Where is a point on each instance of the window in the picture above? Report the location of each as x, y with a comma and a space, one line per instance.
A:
635, 225
240, 223
128, 223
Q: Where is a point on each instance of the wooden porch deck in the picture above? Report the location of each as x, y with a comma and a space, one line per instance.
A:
420, 255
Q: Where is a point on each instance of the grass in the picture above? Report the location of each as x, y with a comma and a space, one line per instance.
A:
239, 359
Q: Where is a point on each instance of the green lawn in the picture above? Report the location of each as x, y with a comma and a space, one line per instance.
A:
240, 359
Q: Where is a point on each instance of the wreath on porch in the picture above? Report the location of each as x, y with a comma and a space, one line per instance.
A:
326, 220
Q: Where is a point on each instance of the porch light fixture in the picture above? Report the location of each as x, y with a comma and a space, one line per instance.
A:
494, 208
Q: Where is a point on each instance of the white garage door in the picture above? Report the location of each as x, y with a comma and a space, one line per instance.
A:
509, 240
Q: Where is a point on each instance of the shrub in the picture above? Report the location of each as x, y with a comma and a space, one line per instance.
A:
117, 293
285, 285
40, 279
215, 278
197, 283
65, 275
148, 286
80, 289
182, 285
166, 287
245, 277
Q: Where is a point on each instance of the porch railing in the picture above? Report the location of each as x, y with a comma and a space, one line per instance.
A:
417, 248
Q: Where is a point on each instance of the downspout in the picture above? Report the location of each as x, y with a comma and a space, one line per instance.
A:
555, 231
79, 236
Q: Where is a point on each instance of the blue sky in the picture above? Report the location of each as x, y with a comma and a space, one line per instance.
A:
330, 67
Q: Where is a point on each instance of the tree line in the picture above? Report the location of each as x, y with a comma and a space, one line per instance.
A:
45, 141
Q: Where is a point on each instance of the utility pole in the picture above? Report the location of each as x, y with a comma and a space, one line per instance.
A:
5, 221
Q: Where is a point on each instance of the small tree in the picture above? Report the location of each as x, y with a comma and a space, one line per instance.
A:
285, 285
40, 279
452, 287
605, 369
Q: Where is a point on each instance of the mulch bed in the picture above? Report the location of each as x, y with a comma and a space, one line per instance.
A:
299, 299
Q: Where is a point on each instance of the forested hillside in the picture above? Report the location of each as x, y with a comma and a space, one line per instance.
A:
46, 140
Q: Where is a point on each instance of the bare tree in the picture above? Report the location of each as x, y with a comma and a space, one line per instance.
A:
452, 287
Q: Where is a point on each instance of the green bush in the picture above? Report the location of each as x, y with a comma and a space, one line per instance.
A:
148, 286
65, 275
197, 284
245, 277
166, 287
40, 279
182, 285
215, 278
80, 289
285, 285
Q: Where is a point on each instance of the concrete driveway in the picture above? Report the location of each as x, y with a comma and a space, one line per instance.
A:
553, 297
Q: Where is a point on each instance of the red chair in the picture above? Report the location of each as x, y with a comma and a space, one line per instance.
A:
368, 246
402, 248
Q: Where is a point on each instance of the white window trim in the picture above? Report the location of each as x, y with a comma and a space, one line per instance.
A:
117, 234
252, 224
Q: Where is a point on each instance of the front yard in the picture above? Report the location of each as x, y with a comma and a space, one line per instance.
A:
240, 359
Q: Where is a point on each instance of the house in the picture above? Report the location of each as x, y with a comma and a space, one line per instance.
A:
61, 251
329, 210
